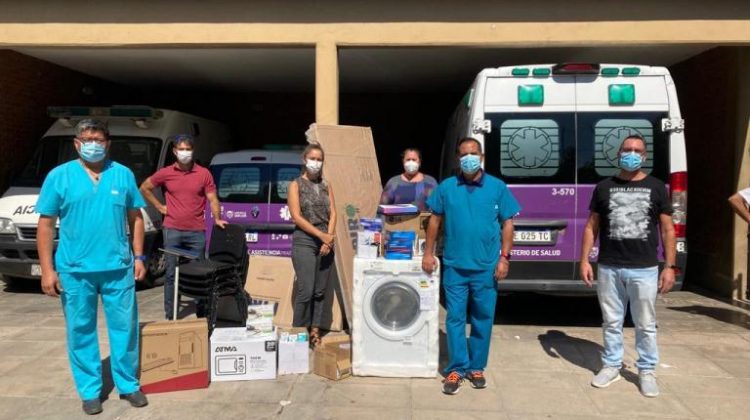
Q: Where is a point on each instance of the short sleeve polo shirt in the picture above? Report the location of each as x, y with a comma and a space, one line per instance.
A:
473, 214
185, 194
93, 217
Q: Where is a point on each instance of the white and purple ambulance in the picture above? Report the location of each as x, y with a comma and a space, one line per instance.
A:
552, 132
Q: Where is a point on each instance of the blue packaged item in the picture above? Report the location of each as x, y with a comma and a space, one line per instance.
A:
371, 224
400, 245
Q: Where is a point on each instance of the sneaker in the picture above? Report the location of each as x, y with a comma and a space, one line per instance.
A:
647, 383
136, 399
92, 407
606, 377
477, 379
452, 383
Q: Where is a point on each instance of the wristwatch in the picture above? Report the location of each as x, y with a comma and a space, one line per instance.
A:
142, 258
673, 267
506, 256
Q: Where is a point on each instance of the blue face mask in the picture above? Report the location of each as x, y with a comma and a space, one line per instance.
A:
470, 164
631, 161
92, 151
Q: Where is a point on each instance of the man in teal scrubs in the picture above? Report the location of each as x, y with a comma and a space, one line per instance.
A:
478, 211
94, 198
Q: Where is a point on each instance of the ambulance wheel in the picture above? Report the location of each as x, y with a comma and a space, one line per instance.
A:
156, 266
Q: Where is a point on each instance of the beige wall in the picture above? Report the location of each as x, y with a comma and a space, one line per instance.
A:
325, 24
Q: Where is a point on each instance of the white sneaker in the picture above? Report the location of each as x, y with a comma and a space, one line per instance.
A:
647, 383
606, 377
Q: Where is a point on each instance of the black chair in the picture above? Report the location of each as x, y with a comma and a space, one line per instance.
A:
222, 274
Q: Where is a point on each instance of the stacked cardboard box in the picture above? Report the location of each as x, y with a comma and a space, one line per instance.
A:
174, 355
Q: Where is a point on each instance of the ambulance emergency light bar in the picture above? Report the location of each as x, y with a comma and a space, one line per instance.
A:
117, 111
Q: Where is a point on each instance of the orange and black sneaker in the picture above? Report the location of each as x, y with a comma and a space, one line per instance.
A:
477, 379
452, 383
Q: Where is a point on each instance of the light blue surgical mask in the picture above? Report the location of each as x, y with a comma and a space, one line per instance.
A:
92, 151
470, 164
631, 161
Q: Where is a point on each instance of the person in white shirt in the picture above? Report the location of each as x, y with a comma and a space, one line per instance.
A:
739, 202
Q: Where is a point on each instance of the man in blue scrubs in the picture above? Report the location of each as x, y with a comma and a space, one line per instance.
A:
478, 211
94, 198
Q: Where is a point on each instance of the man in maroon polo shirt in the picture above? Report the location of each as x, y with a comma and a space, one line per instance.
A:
186, 186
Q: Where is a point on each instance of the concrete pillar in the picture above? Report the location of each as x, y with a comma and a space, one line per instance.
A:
326, 83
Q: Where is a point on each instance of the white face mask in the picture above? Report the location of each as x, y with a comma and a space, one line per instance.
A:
313, 166
184, 156
411, 166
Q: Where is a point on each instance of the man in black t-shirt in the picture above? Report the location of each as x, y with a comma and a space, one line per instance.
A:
625, 211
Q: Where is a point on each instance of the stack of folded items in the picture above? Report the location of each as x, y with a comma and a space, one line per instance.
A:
400, 245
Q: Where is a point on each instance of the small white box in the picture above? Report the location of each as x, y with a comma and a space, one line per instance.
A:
238, 355
368, 244
294, 351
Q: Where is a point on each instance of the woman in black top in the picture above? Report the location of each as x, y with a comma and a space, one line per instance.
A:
312, 208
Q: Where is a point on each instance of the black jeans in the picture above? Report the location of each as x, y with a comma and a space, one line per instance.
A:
313, 299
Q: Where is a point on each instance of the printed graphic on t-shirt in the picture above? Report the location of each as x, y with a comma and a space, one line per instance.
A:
629, 213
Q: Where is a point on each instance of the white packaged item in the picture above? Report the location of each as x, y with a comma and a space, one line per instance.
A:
237, 355
294, 351
368, 244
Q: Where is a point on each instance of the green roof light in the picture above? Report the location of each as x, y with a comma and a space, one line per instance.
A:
622, 94
530, 95
610, 71
631, 71
542, 72
518, 71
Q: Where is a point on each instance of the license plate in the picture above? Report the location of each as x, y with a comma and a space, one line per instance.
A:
532, 236
251, 237
36, 270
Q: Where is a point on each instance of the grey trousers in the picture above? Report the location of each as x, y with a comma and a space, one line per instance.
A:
313, 300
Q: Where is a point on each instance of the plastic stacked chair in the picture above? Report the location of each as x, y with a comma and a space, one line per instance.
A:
222, 274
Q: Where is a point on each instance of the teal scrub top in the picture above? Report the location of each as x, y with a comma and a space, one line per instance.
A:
93, 217
473, 214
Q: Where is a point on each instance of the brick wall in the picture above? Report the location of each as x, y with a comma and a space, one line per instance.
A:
27, 87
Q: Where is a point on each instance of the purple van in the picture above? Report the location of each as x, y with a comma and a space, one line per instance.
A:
252, 189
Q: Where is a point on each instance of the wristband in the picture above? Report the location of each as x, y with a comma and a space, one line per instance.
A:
141, 258
506, 256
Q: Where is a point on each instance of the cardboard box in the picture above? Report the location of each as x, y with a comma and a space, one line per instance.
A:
174, 355
238, 355
294, 351
333, 358
412, 222
268, 278
352, 170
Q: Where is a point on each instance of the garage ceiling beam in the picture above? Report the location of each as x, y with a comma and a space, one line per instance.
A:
479, 34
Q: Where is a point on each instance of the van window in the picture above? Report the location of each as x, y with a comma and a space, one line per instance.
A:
538, 148
241, 183
600, 135
141, 155
282, 176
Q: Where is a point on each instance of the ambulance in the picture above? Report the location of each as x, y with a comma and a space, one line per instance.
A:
139, 140
552, 132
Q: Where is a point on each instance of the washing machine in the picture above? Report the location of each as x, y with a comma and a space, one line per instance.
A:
395, 325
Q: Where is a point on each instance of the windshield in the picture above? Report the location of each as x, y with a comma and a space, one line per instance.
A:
251, 183
139, 154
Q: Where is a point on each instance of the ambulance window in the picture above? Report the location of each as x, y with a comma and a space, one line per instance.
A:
532, 148
529, 148
600, 135
609, 135
282, 176
241, 183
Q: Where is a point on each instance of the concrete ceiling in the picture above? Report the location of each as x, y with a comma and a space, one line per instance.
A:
361, 69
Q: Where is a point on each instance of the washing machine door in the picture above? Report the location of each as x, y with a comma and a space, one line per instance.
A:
392, 307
